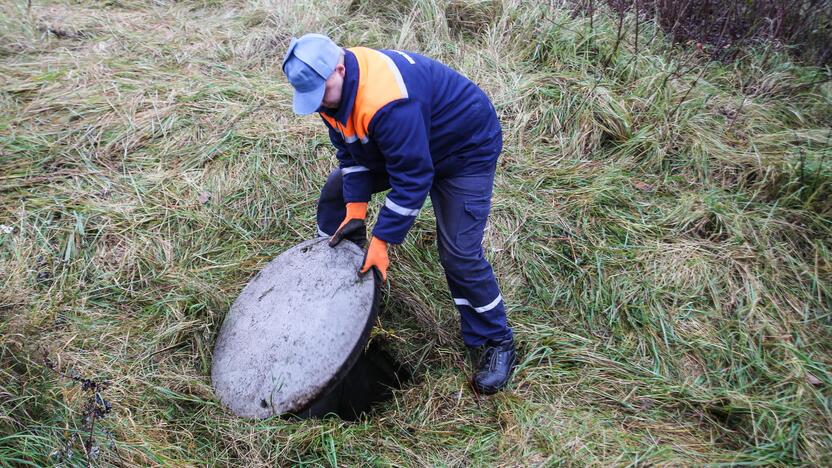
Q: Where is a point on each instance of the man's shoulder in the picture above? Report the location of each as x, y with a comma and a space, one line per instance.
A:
398, 55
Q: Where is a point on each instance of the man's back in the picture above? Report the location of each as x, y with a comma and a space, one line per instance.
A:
462, 118
457, 116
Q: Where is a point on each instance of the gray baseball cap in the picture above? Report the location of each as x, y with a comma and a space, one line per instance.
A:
309, 61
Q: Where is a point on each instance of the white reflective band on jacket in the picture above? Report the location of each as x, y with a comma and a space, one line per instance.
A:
395, 207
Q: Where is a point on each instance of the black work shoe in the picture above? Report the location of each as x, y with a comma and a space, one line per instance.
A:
493, 364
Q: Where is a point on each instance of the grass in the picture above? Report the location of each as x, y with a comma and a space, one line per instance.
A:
661, 232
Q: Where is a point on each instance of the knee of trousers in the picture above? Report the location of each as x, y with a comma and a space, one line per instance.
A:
331, 208
465, 268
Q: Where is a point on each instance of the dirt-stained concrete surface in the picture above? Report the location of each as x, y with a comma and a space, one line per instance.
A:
292, 329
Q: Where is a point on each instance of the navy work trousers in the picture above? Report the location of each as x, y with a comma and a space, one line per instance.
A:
461, 205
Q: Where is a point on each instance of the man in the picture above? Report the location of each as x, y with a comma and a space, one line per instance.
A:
403, 122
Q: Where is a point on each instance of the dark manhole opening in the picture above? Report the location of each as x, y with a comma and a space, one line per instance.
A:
372, 380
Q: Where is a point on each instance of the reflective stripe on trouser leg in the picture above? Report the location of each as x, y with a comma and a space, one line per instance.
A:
477, 327
464, 302
461, 205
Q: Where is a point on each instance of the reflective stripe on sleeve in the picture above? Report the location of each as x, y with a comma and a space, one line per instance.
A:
395, 207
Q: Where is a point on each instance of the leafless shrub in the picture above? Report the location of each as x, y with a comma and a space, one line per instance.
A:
727, 27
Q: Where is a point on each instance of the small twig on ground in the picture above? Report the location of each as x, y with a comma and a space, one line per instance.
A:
96, 406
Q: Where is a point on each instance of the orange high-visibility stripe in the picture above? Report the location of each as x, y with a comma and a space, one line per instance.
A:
379, 83
346, 131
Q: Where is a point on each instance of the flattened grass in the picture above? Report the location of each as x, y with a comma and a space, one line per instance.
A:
661, 232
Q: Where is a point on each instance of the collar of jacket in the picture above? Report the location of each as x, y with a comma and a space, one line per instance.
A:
342, 113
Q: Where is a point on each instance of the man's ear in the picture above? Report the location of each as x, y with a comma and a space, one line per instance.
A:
341, 69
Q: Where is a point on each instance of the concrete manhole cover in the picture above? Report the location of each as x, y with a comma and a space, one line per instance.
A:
295, 331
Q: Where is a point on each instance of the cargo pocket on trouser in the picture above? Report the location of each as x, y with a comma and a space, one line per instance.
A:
472, 224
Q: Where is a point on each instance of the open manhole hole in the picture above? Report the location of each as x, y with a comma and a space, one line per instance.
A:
295, 341
370, 381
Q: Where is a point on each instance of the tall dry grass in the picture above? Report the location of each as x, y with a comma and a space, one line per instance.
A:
661, 232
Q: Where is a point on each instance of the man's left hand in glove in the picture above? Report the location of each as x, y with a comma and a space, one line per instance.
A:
376, 257
354, 229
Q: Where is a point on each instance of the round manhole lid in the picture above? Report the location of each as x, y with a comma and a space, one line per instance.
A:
295, 330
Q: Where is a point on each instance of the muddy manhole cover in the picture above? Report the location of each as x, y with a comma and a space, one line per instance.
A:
295, 340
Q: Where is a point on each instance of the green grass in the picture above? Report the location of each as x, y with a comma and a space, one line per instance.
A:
661, 231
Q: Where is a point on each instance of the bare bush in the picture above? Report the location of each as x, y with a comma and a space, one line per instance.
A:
730, 26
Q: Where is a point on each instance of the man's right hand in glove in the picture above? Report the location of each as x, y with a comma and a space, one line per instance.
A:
352, 227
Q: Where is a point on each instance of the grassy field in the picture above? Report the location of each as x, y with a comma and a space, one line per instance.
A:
662, 232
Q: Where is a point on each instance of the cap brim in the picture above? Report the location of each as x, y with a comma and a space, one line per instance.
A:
308, 102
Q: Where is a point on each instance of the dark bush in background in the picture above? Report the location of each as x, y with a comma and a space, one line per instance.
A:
729, 26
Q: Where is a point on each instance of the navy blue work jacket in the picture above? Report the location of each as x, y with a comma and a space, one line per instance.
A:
415, 119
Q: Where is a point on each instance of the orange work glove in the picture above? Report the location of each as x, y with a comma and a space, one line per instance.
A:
376, 257
352, 227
